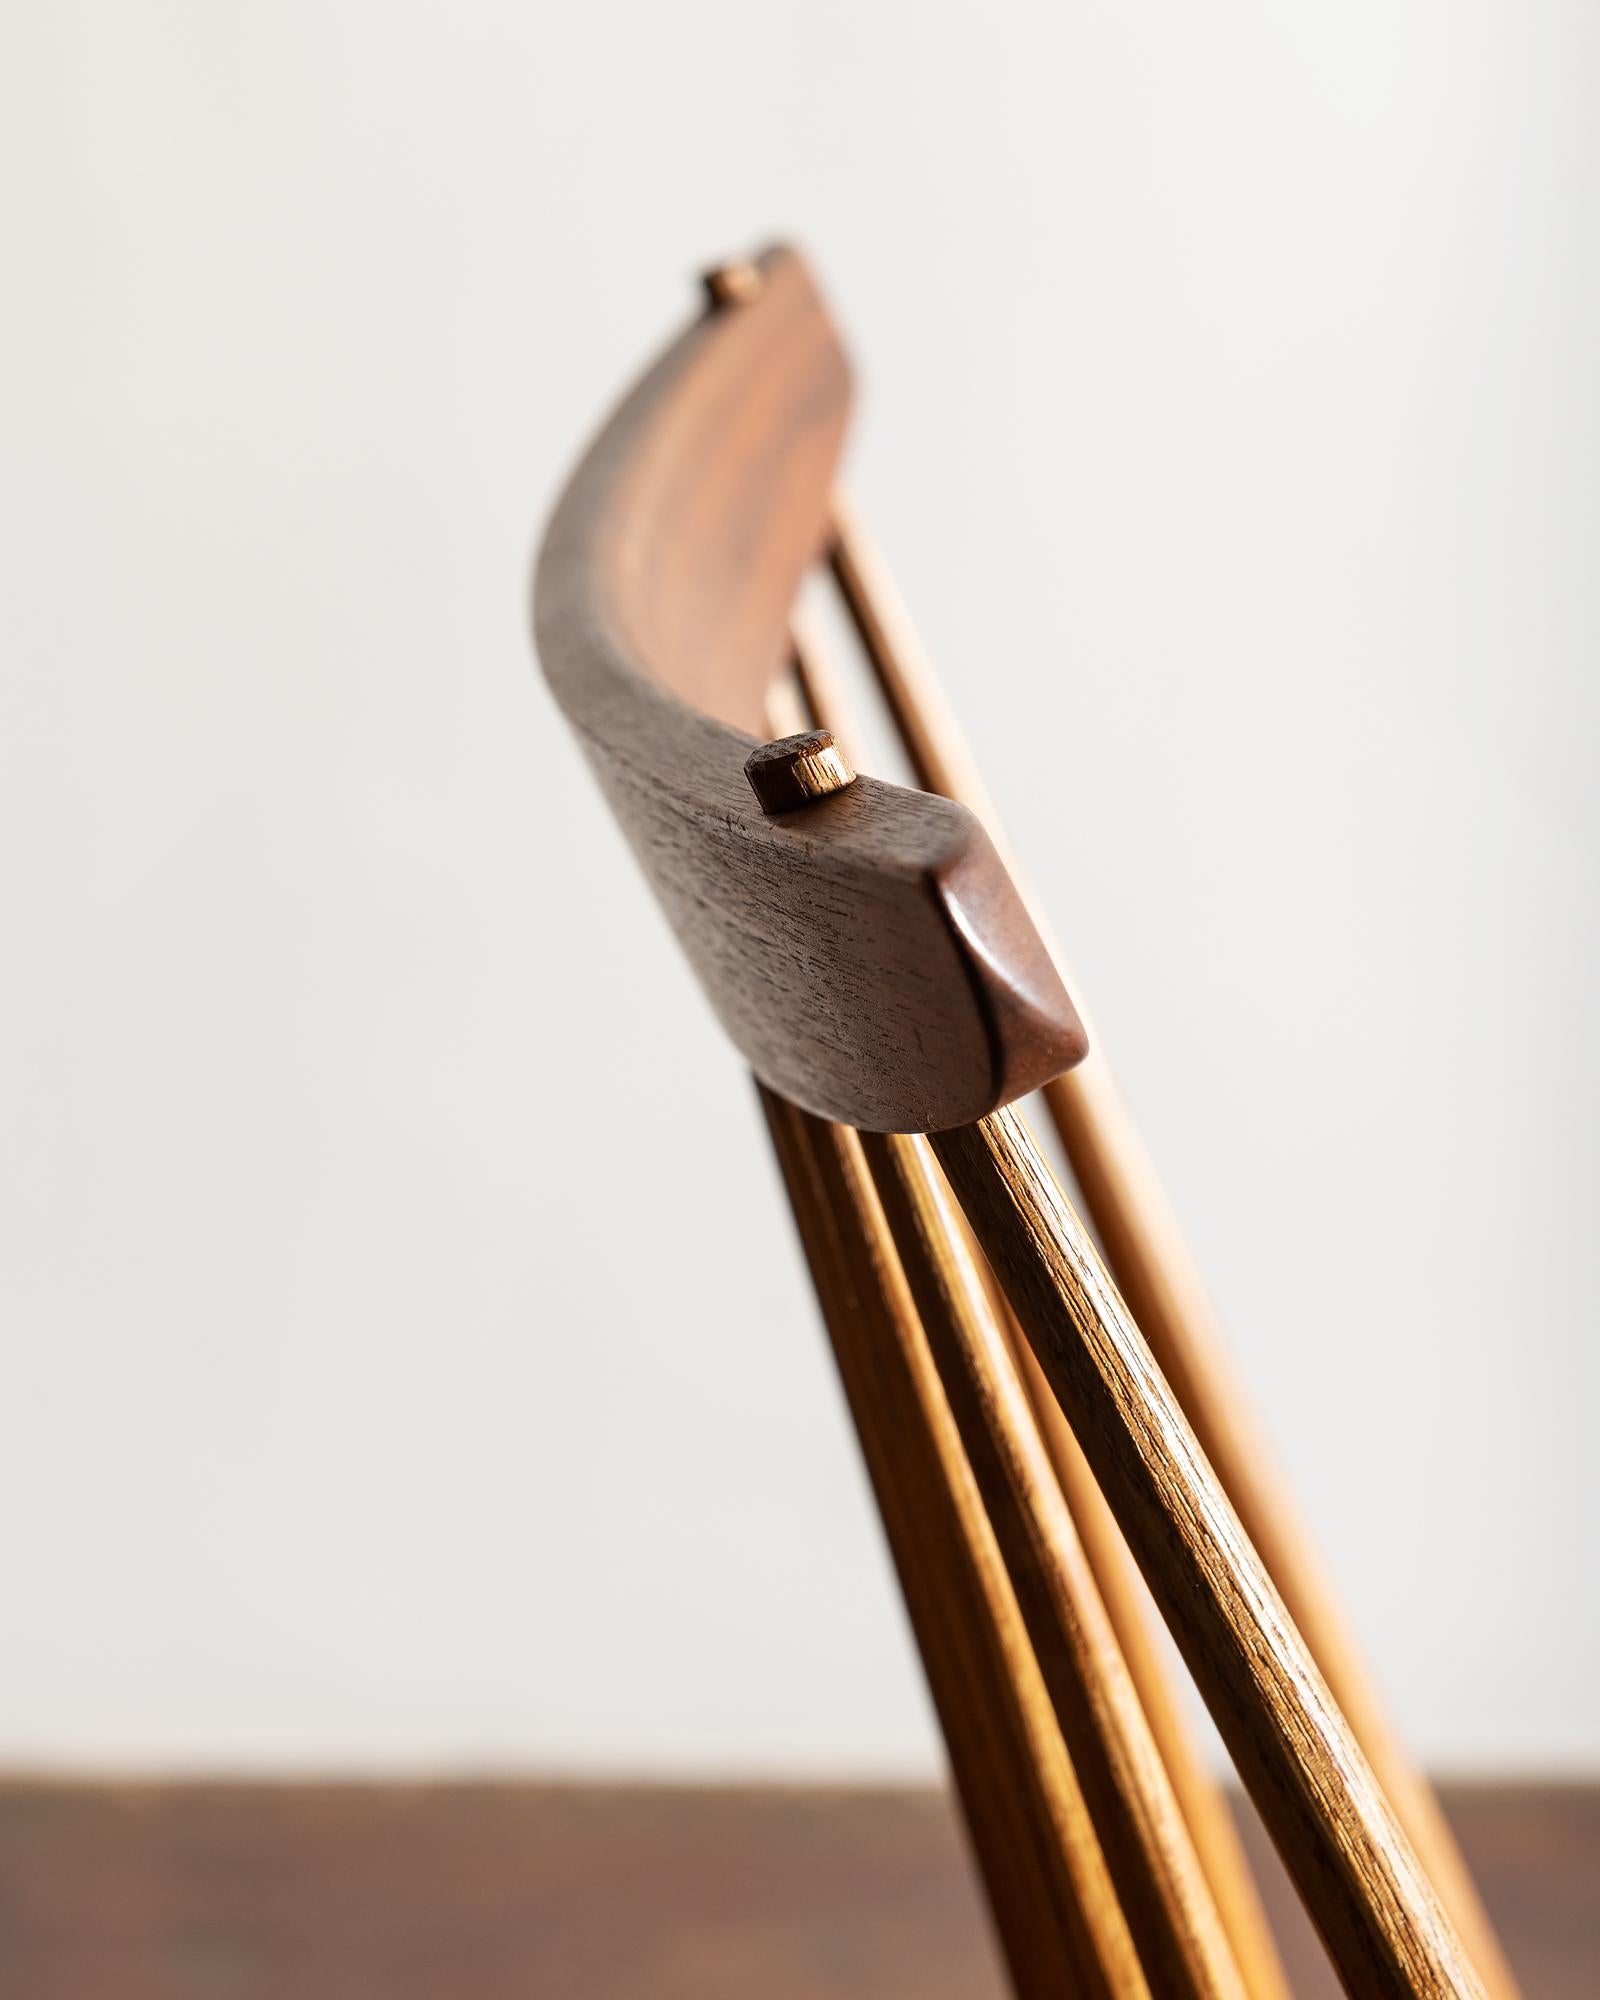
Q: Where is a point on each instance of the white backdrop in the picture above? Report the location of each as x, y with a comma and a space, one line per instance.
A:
339, 1427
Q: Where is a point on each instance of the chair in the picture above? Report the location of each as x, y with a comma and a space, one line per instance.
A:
1053, 1444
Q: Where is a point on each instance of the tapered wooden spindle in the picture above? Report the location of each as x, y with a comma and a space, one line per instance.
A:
1055, 1909
1153, 1865
1134, 1619
1146, 1251
1383, 1925
1132, 1614
815, 697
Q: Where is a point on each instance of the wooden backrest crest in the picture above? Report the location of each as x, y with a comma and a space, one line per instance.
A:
868, 954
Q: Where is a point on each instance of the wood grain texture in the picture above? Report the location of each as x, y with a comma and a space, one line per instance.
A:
1056, 1912
869, 957
1383, 1925
1134, 1621
1154, 1869
1154, 1268
1157, 1275
816, 695
796, 770
1128, 1604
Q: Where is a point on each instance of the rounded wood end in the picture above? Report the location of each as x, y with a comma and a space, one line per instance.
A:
736, 283
797, 771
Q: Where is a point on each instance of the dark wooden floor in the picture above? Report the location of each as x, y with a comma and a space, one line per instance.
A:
482, 1892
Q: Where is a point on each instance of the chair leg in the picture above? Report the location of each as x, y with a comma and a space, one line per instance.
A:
1153, 1865
1060, 1924
1383, 1925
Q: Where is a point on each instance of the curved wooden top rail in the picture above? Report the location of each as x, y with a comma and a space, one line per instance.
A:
868, 953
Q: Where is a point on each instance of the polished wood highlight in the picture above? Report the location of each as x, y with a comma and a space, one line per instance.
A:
1384, 1927
869, 957
1153, 1266
1057, 1914
1146, 1841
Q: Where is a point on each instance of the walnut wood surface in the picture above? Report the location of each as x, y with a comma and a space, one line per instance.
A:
1157, 1876
869, 956
1056, 1912
1158, 1277
1384, 1926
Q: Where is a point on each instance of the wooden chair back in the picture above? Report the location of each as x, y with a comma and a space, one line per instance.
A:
1054, 1446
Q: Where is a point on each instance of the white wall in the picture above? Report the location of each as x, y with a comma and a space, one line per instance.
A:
338, 1424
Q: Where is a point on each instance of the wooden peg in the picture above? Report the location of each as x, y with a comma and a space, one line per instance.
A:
797, 771
736, 283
